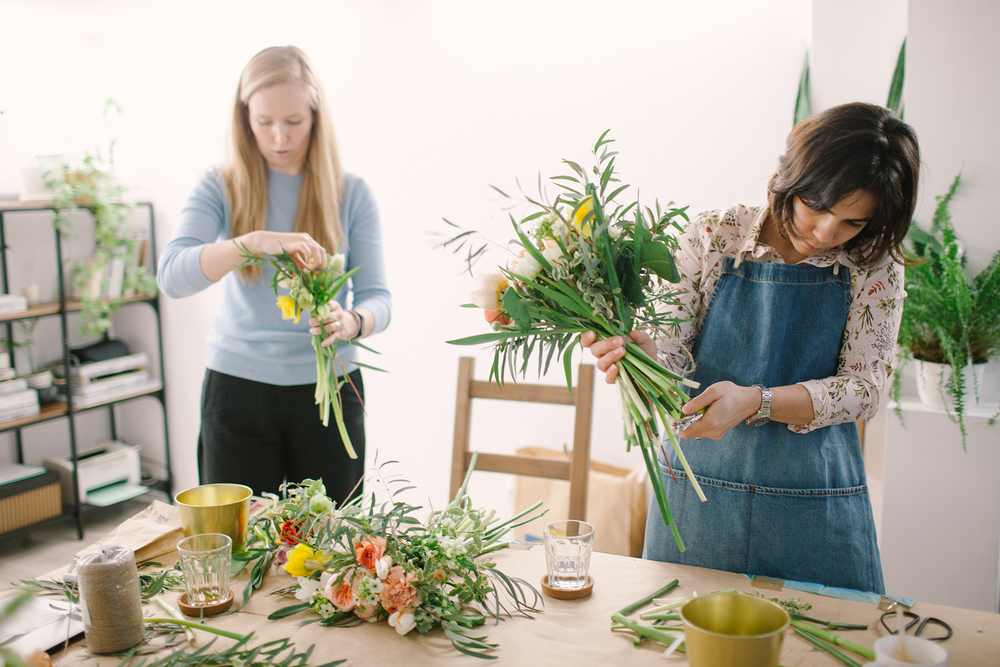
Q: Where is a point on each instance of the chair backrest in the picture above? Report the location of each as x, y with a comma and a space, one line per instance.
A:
575, 470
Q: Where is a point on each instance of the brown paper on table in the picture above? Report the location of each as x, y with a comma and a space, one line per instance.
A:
616, 503
152, 532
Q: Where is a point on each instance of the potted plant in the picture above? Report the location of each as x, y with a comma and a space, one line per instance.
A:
948, 320
109, 272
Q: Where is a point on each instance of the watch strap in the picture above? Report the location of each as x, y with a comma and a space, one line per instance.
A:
763, 415
361, 324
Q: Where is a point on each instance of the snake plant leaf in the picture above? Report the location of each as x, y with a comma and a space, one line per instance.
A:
802, 107
657, 258
895, 101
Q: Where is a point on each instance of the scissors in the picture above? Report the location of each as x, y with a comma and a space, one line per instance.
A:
913, 619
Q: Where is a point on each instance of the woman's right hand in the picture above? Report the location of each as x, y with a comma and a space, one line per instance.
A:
610, 350
303, 249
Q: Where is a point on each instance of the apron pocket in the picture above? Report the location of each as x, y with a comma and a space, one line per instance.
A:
823, 536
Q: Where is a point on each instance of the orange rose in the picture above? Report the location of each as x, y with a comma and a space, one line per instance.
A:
496, 316
398, 591
344, 597
369, 550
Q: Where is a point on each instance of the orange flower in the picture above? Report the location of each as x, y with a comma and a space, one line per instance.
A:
369, 550
398, 591
344, 597
290, 533
496, 316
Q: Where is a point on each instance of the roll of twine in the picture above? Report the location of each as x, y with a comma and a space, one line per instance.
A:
110, 600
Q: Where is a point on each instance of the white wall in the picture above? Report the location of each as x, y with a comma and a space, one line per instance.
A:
434, 102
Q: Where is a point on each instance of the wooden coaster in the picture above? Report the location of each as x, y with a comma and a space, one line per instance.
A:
204, 610
560, 594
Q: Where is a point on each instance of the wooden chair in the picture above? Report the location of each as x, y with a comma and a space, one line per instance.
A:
575, 470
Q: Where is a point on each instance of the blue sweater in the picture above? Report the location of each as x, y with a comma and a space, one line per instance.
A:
249, 339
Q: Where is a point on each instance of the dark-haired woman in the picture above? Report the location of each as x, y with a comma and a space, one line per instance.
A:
794, 309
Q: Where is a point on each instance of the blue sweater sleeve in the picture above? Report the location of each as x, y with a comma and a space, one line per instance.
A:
203, 220
364, 239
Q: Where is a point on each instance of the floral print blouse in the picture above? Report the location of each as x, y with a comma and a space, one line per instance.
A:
866, 350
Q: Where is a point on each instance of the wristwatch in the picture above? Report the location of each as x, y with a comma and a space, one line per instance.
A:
763, 415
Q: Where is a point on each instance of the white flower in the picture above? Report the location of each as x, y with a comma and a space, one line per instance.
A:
559, 228
402, 620
452, 546
337, 262
525, 266
285, 283
552, 252
382, 566
307, 589
487, 289
614, 231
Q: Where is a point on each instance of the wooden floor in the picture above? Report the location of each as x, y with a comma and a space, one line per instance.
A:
44, 549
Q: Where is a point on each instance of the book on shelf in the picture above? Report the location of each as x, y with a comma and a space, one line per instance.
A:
12, 303
97, 370
29, 410
138, 257
13, 385
109, 384
81, 401
7, 374
18, 398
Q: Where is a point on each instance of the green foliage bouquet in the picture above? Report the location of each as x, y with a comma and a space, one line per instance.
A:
312, 290
369, 562
588, 263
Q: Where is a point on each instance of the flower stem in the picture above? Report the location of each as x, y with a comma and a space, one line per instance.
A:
198, 626
649, 598
826, 647
833, 639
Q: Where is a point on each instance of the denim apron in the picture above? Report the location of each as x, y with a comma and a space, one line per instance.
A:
781, 504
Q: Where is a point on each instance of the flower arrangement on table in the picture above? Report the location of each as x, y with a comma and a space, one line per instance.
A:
312, 290
588, 263
369, 562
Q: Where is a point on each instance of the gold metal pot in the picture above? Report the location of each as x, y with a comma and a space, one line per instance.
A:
216, 508
733, 630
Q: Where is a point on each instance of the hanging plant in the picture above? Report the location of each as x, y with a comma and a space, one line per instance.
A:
87, 184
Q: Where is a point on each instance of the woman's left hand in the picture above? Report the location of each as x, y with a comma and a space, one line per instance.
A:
727, 405
341, 325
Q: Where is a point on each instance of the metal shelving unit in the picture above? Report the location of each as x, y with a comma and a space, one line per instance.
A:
61, 309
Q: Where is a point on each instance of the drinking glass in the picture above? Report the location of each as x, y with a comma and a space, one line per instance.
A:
205, 560
568, 545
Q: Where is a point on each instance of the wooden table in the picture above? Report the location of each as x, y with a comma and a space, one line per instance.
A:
578, 632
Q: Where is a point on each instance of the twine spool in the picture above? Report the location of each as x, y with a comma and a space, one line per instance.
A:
110, 600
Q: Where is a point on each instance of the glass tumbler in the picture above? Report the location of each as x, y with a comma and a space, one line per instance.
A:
205, 560
568, 545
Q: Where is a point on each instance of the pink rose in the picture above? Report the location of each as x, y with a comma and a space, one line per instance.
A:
343, 596
366, 610
369, 550
398, 591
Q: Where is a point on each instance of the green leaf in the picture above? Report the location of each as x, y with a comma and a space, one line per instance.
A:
802, 107
657, 258
894, 103
285, 612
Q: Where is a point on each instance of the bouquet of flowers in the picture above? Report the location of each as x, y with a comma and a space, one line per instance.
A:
588, 263
312, 290
363, 562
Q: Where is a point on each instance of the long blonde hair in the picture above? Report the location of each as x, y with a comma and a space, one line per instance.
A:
245, 170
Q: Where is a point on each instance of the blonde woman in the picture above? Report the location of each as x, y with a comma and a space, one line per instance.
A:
281, 188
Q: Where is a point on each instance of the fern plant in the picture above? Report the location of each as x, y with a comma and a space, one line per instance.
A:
946, 318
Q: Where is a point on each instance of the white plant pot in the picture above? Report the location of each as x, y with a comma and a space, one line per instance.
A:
932, 381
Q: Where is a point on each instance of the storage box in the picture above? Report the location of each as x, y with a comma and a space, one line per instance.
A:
29, 501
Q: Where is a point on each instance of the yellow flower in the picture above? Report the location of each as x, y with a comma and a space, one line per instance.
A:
580, 221
289, 309
303, 561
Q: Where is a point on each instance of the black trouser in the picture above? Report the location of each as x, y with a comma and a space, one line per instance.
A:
261, 434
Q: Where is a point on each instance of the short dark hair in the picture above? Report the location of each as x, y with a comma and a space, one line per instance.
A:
846, 148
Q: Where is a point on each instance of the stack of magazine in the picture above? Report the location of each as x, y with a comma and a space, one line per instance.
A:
17, 400
12, 303
99, 382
